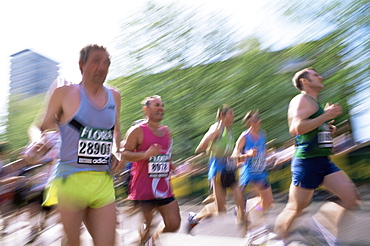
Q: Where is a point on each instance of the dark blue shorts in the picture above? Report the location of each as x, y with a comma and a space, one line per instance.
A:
310, 172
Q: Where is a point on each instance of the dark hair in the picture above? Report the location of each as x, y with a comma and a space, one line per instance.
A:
85, 51
302, 74
249, 115
222, 110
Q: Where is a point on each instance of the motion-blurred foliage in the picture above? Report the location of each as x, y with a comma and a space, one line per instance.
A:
256, 79
22, 112
243, 76
173, 35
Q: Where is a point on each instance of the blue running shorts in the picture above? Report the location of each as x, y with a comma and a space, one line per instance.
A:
310, 172
256, 179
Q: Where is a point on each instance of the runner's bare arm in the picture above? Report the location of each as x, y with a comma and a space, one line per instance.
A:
53, 110
117, 127
301, 108
209, 137
238, 150
133, 140
118, 163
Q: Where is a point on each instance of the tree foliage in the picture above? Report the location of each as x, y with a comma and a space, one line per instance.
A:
256, 79
166, 36
22, 112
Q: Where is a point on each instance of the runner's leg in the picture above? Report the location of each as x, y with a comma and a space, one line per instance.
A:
220, 197
299, 198
240, 203
266, 197
171, 217
148, 210
340, 184
101, 223
71, 221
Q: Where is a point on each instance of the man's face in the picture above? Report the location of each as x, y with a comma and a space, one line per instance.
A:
315, 80
95, 69
155, 110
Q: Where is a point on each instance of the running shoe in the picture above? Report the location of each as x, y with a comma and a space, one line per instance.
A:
192, 222
259, 236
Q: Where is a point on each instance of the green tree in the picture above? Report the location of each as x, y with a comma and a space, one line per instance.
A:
22, 112
253, 79
166, 36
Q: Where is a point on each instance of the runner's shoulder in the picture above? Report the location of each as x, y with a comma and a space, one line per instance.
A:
65, 89
301, 100
135, 130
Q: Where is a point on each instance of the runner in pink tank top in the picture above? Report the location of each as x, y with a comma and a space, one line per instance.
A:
150, 177
148, 146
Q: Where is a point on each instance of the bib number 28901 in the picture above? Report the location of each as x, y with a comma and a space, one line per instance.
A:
94, 146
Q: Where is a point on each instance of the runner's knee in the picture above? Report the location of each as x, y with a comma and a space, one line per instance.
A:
350, 203
267, 203
294, 209
173, 225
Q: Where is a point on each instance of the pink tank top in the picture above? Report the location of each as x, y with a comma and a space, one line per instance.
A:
151, 177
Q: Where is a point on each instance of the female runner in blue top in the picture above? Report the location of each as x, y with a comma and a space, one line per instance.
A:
250, 151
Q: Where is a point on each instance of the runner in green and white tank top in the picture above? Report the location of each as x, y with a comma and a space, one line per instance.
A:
218, 142
315, 143
311, 166
224, 145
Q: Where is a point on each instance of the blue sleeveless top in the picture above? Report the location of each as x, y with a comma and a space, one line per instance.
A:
87, 139
254, 165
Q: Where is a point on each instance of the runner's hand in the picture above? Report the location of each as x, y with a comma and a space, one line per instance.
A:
251, 152
332, 110
35, 153
117, 163
154, 149
332, 127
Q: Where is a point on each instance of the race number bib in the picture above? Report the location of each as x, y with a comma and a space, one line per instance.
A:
324, 138
159, 166
94, 146
258, 163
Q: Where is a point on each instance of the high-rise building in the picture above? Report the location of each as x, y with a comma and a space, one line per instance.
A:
31, 73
